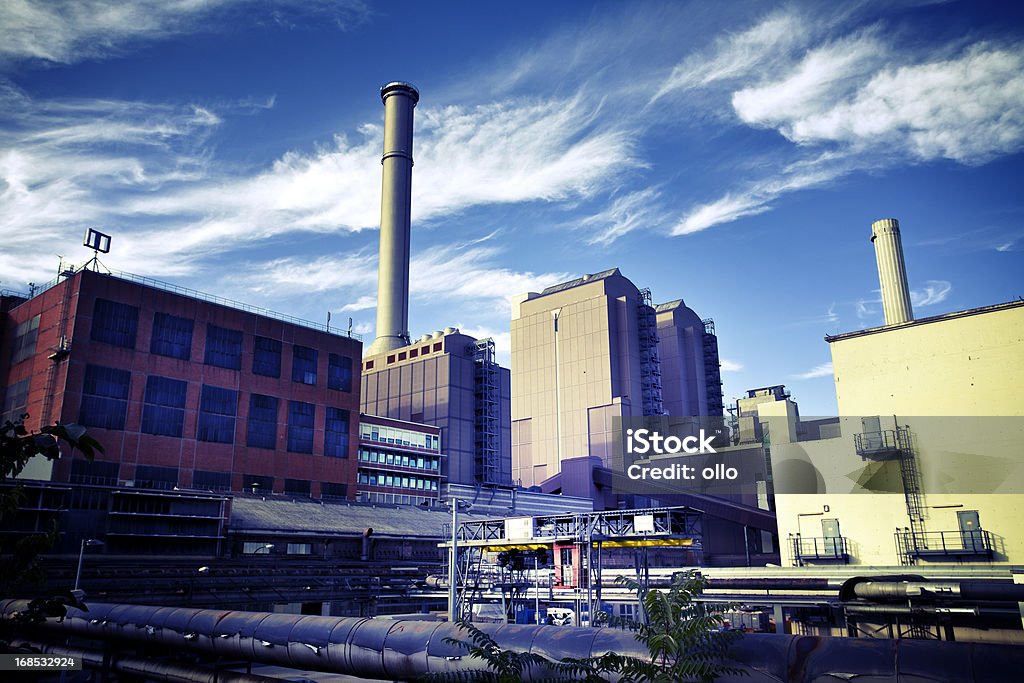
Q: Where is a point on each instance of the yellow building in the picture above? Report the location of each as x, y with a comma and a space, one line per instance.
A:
929, 467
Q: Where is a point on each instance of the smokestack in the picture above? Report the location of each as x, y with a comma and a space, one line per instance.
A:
892, 271
395, 206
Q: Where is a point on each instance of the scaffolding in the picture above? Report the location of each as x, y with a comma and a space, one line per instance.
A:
575, 543
712, 369
650, 362
487, 427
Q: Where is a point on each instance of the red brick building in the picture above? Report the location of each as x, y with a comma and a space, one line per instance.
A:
183, 389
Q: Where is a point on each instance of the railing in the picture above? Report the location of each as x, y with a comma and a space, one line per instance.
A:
820, 548
885, 442
974, 543
214, 299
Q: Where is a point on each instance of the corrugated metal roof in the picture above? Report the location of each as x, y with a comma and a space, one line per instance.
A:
580, 281
338, 519
669, 306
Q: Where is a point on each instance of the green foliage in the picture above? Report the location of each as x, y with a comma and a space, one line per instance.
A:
685, 640
21, 567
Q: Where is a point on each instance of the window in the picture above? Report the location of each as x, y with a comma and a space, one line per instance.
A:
437, 346
15, 402
172, 336
217, 408
104, 397
304, 364
262, 428
296, 487
258, 484
266, 357
336, 433
163, 408
94, 472
223, 347
330, 490
153, 477
300, 426
25, 336
300, 548
369, 365
114, 323
211, 481
339, 372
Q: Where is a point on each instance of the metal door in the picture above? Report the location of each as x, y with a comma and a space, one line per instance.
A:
831, 542
970, 529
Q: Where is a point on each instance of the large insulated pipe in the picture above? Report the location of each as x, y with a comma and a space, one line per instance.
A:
406, 650
892, 271
395, 208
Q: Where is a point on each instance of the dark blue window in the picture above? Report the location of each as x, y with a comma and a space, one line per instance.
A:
172, 336
154, 477
211, 481
330, 490
114, 323
94, 472
266, 357
296, 487
336, 433
163, 408
223, 347
257, 483
104, 397
339, 372
300, 426
304, 364
217, 409
262, 428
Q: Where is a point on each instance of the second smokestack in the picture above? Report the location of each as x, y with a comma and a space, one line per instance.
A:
892, 271
395, 208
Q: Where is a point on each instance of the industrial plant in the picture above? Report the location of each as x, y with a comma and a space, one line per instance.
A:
271, 493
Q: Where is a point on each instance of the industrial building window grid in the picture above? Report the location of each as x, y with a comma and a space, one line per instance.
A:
211, 481
399, 436
217, 409
266, 357
114, 323
402, 481
376, 457
104, 397
330, 490
25, 336
223, 347
297, 487
336, 433
300, 426
261, 431
172, 336
339, 372
163, 407
15, 401
304, 361
155, 477
94, 472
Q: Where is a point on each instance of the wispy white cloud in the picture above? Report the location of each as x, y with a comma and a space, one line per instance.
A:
361, 304
930, 293
626, 213
68, 31
820, 370
730, 365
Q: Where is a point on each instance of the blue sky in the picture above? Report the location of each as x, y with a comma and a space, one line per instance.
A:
732, 154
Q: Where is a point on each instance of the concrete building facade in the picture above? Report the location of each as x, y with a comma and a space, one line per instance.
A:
587, 351
924, 464
182, 389
451, 381
399, 462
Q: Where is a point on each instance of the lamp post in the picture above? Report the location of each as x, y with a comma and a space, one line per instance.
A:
192, 582
81, 557
453, 559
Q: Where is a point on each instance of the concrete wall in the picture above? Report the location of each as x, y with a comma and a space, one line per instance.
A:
944, 379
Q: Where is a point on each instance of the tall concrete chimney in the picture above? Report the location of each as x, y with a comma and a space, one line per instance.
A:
892, 271
395, 206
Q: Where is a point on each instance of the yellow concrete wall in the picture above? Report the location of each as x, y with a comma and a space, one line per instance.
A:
957, 367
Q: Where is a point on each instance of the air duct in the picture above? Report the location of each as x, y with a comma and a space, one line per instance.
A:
395, 208
892, 271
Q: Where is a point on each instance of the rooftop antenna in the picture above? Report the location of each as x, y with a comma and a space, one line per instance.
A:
100, 244
328, 321
350, 327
